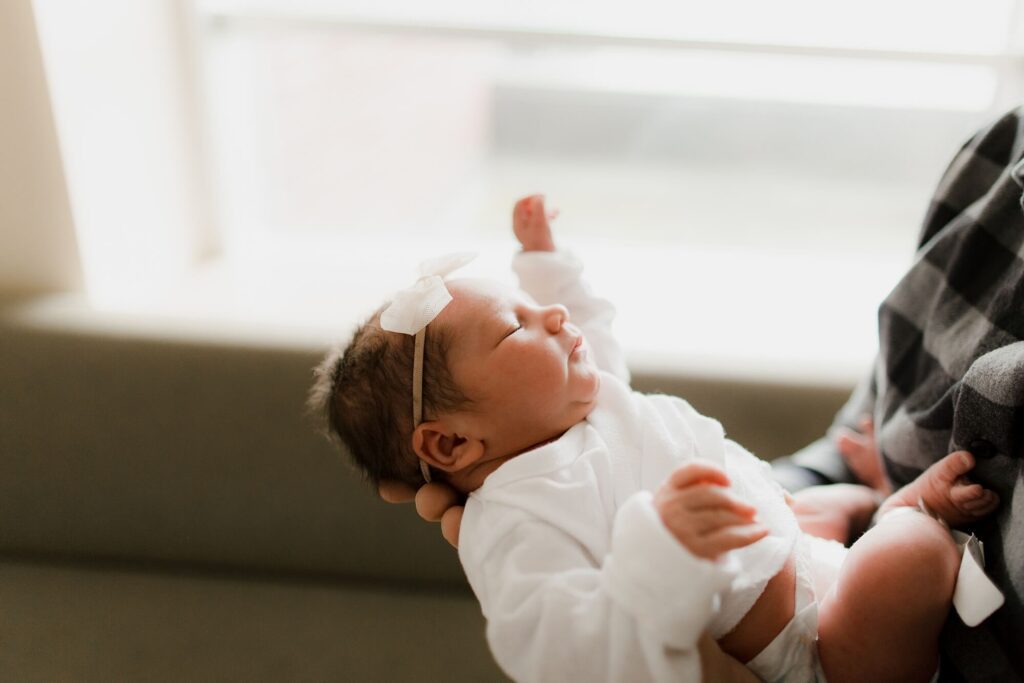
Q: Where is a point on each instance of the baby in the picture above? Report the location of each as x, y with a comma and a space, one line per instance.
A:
605, 530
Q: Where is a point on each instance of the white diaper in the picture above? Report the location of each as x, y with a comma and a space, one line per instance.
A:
793, 655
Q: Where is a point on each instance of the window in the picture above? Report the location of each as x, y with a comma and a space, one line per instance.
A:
342, 117
759, 167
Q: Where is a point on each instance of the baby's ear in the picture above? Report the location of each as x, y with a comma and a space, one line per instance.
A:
440, 446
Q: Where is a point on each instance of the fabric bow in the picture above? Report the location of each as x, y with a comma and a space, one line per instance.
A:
413, 308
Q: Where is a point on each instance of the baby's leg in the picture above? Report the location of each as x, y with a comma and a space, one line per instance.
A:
881, 619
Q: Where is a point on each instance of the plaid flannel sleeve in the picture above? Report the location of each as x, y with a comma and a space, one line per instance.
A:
951, 371
950, 374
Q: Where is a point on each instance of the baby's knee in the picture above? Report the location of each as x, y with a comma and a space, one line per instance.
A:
918, 560
887, 608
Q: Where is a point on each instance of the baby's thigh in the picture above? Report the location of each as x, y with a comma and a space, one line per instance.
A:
882, 617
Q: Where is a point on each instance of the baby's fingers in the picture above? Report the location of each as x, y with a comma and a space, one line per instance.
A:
730, 538
529, 210
704, 497
710, 520
530, 224
697, 472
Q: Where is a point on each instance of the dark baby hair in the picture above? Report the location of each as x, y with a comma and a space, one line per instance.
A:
362, 392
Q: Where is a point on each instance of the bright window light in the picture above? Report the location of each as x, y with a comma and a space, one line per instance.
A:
938, 26
759, 146
328, 131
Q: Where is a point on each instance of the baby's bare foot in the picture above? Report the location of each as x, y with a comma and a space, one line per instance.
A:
860, 451
947, 492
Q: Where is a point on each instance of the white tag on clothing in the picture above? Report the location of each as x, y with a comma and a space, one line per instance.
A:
976, 596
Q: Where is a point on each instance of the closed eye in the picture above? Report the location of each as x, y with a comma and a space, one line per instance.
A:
508, 332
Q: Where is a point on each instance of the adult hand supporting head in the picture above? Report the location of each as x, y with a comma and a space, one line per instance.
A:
435, 502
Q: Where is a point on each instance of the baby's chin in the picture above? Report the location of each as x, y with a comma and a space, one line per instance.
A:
586, 404
593, 389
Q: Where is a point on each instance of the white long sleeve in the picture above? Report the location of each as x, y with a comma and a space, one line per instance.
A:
554, 611
556, 278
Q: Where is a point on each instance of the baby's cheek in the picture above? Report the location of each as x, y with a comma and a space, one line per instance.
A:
522, 376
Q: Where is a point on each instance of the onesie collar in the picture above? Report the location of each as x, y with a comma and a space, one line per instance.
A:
540, 460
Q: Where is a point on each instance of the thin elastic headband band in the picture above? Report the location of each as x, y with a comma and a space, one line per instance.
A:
417, 392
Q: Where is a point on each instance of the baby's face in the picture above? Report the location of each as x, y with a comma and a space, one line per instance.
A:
527, 369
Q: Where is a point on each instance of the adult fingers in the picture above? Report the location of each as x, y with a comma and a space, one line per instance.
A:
451, 524
394, 491
433, 499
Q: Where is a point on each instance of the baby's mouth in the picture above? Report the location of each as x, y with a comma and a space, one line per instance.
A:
577, 343
577, 347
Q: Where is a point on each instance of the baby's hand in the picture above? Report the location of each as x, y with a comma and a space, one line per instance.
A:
530, 223
702, 515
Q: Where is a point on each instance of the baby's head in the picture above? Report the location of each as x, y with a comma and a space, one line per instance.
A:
500, 374
363, 392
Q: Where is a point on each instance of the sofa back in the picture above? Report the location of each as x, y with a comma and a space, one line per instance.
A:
152, 448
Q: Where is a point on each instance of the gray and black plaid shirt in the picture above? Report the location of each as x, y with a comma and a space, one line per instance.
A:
950, 375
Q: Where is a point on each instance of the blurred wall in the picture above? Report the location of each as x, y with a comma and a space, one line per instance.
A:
121, 77
38, 251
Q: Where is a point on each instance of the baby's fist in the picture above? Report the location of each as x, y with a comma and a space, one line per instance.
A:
531, 225
705, 518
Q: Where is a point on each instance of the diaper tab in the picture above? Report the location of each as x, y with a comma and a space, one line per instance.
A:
976, 597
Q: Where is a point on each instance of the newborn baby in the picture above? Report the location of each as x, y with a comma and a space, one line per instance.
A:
606, 530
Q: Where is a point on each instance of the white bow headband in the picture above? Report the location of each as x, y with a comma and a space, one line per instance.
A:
412, 309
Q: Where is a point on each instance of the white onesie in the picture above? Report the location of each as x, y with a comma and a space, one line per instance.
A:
575, 573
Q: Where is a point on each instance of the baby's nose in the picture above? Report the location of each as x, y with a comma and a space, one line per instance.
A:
554, 317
